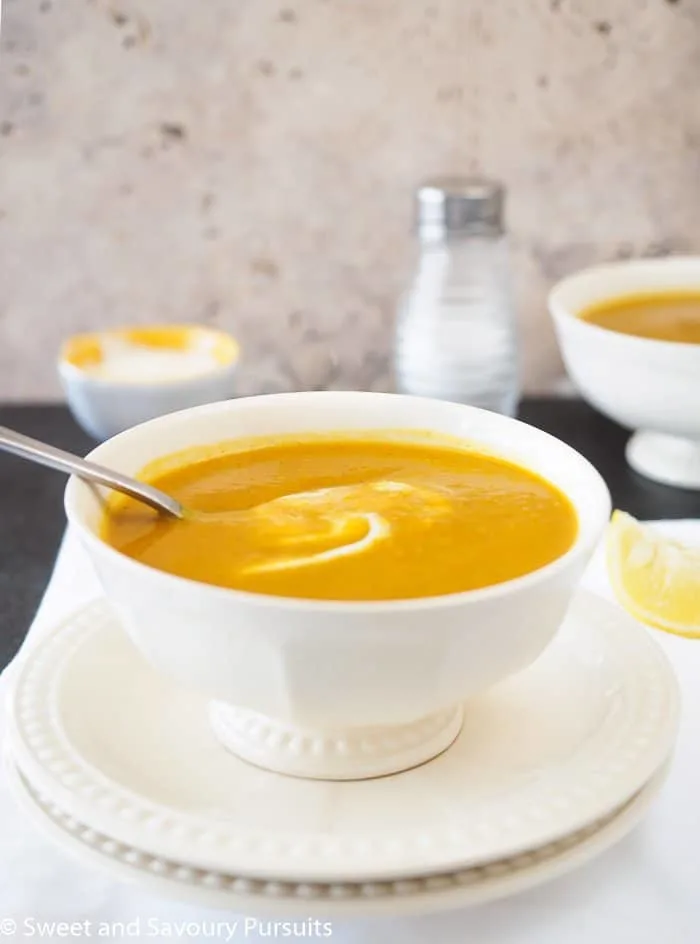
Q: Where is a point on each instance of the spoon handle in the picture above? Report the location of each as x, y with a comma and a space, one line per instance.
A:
44, 454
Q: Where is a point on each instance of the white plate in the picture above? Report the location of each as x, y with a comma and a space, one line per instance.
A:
244, 895
125, 751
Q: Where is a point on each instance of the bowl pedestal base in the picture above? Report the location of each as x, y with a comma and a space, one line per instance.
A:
667, 459
343, 754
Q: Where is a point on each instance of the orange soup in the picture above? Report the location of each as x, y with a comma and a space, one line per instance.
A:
664, 316
346, 518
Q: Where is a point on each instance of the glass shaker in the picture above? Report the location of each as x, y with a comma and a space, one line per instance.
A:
456, 333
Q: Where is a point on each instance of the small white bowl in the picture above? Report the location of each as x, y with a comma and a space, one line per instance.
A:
105, 406
339, 690
650, 386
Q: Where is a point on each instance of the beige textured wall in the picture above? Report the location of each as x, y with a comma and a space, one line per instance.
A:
250, 163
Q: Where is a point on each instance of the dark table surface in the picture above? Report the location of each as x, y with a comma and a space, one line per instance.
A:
31, 498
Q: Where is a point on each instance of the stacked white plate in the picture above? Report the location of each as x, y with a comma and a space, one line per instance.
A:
121, 768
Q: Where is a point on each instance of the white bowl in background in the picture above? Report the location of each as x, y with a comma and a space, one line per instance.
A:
105, 405
647, 385
339, 690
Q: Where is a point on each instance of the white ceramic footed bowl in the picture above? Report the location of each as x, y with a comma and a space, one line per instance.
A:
649, 386
339, 689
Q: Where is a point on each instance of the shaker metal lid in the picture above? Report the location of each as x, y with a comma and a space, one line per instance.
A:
458, 204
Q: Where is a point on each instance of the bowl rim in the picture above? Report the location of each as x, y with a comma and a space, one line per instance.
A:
561, 312
71, 373
581, 545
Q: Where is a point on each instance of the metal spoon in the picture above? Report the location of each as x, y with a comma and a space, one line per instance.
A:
35, 451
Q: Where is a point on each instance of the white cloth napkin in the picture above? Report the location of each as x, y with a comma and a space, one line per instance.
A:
644, 891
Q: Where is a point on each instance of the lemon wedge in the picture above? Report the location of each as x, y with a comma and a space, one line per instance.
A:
655, 579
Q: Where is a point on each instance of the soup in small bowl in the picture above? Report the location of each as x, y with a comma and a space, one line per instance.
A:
351, 568
629, 334
659, 315
119, 378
